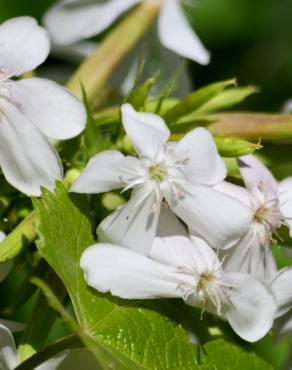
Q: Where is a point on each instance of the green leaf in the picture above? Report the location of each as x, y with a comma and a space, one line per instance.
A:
89, 134
92, 139
227, 98
224, 99
195, 100
222, 355
140, 94
135, 332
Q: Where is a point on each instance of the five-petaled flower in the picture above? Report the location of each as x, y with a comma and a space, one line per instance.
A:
180, 175
270, 206
178, 267
32, 109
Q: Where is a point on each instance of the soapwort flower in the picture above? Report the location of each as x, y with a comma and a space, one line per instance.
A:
179, 175
32, 109
178, 267
270, 206
70, 21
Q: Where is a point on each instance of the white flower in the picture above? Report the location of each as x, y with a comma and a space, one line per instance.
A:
70, 21
180, 268
181, 174
31, 110
8, 356
281, 285
270, 206
68, 360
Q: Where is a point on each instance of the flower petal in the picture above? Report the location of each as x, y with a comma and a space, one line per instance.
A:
234, 191
70, 21
27, 159
207, 259
282, 288
51, 107
13, 326
147, 131
212, 216
285, 200
8, 356
23, 46
106, 171
252, 306
176, 34
249, 256
172, 244
204, 165
134, 224
127, 274
255, 175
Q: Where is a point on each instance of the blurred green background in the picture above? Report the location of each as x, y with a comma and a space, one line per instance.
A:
248, 39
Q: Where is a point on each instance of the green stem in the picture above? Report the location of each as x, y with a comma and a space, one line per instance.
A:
41, 320
96, 70
71, 342
23, 234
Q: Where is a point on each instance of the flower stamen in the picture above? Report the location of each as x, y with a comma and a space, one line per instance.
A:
157, 172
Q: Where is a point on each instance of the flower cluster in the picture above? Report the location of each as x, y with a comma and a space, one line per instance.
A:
163, 242
185, 231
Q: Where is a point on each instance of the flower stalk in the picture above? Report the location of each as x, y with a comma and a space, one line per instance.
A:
97, 69
70, 342
25, 232
251, 126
